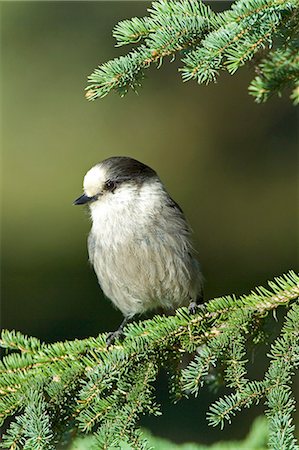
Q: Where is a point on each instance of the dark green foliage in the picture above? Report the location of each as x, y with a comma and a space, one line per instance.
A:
51, 391
32, 429
207, 42
280, 69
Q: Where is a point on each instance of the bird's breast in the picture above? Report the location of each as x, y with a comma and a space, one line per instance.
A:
129, 212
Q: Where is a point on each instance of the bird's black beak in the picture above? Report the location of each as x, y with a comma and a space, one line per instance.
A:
82, 200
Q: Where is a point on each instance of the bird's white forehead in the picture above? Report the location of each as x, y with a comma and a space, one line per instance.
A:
94, 180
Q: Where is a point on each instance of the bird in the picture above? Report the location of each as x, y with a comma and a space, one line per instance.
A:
140, 241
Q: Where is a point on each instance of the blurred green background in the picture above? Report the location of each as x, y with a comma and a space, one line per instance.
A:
230, 163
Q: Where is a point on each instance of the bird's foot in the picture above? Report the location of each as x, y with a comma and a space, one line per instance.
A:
118, 334
195, 308
113, 336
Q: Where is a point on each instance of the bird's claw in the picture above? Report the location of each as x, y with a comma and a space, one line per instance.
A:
195, 308
113, 336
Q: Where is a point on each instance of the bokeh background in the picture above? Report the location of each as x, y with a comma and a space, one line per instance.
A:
230, 163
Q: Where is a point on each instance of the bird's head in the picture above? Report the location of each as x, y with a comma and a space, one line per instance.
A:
110, 175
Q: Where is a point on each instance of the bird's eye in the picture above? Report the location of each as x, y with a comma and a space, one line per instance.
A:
110, 185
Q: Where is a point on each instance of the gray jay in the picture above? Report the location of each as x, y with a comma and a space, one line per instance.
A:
139, 244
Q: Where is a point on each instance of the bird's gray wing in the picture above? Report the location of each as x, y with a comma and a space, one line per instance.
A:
173, 204
170, 203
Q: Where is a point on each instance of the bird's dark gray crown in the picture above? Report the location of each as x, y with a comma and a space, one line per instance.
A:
123, 168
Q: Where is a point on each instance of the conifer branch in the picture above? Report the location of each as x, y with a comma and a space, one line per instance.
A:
207, 43
83, 386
